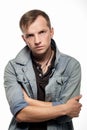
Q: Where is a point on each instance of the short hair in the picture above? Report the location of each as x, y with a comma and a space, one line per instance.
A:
29, 17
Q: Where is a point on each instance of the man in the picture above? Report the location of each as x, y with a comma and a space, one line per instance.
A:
42, 84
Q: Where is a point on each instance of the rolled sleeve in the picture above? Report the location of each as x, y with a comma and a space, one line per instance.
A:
13, 90
18, 106
56, 103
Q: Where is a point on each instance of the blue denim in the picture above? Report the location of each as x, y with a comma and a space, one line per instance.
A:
64, 83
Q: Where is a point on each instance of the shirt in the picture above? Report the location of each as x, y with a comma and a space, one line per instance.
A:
42, 80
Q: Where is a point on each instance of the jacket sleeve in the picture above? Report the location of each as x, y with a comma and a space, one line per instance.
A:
71, 87
13, 90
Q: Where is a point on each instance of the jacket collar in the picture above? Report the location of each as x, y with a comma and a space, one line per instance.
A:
23, 56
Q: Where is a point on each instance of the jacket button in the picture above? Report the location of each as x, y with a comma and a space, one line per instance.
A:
40, 75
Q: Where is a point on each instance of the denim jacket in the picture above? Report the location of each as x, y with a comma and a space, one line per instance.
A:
64, 83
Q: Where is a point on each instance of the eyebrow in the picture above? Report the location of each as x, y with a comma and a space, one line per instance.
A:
32, 34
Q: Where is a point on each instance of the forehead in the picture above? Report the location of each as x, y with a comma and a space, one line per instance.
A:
38, 24
39, 20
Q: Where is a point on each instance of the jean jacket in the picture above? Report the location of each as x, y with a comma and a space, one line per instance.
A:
64, 83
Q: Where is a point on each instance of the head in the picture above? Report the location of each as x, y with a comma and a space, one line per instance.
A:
37, 30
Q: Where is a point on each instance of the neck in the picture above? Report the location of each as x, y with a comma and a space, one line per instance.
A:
45, 61
42, 58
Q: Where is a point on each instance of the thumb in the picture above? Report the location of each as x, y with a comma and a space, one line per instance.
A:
78, 97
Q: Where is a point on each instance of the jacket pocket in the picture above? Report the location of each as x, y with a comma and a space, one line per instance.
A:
55, 88
25, 84
59, 88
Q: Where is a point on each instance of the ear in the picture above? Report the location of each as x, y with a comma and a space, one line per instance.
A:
52, 32
23, 38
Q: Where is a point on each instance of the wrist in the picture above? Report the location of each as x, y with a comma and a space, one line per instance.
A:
61, 109
65, 109
64, 106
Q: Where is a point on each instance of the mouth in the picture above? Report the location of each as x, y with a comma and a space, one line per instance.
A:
39, 47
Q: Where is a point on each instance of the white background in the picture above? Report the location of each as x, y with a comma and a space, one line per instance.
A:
69, 19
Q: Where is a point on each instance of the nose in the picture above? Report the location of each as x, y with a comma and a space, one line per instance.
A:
36, 39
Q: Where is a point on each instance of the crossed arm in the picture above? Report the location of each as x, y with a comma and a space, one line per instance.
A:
39, 111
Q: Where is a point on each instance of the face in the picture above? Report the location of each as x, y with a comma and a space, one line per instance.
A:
38, 36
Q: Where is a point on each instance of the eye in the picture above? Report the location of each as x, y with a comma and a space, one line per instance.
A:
29, 35
42, 32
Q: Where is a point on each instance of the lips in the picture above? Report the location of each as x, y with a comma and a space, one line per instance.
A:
39, 47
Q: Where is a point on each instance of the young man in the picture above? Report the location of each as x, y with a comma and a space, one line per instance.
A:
42, 84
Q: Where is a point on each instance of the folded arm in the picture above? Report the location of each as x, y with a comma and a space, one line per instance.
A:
72, 89
30, 110
39, 111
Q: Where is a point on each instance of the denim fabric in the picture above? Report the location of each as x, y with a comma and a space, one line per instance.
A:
64, 83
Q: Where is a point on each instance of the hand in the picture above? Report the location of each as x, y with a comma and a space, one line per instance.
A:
73, 106
26, 97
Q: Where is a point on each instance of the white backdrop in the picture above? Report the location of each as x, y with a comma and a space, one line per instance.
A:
69, 19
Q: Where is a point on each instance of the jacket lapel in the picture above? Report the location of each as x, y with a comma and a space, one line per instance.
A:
30, 75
